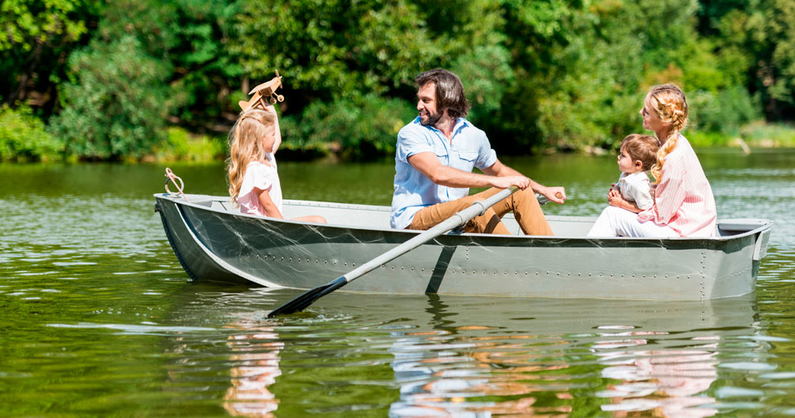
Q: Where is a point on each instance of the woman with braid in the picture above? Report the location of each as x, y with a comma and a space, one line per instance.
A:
683, 202
253, 180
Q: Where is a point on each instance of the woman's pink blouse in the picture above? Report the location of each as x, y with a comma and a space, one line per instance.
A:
683, 198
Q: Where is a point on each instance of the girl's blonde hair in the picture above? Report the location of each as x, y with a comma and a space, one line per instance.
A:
246, 144
670, 104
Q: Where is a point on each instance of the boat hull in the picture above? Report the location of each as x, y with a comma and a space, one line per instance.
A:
214, 243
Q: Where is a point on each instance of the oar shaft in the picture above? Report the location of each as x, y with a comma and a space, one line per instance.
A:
460, 218
478, 208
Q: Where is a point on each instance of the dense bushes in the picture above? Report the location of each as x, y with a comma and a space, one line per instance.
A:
180, 145
23, 137
725, 112
116, 104
357, 129
111, 78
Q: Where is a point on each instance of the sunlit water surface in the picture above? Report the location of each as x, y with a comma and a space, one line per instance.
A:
100, 319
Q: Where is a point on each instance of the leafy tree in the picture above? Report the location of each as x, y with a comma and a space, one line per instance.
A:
340, 54
335, 49
191, 38
776, 61
150, 63
37, 37
116, 106
567, 74
363, 128
206, 71
755, 43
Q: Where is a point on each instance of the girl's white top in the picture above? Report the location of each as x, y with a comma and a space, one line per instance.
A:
263, 177
636, 188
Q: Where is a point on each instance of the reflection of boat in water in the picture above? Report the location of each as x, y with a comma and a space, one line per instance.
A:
448, 355
583, 318
649, 357
215, 242
233, 360
669, 381
256, 367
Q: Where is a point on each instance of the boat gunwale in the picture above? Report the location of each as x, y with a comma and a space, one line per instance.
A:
764, 224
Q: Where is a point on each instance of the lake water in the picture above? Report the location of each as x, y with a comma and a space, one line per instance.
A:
98, 317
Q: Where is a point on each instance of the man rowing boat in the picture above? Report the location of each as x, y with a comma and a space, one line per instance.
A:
433, 167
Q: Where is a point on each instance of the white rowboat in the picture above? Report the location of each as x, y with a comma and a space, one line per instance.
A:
214, 241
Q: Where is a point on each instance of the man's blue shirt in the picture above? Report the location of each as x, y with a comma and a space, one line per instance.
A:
413, 191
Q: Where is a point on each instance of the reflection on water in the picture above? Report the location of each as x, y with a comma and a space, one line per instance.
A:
656, 358
671, 383
99, 318
255, 368
432, 356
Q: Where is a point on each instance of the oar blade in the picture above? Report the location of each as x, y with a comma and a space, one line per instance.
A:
307, 298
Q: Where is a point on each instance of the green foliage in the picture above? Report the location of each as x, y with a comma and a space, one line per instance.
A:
723, 113
360, 129
190, 37
762, 134
707, 139
779, 66
37, 36
24, 137
587, 86
117, 103
756, 44
335, 48
486, 73
26, 20
180, 145
540, 74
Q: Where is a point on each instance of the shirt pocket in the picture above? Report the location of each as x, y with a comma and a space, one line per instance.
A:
468, 156
465, 161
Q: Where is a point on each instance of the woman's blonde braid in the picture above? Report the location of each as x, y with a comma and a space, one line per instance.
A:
670, 103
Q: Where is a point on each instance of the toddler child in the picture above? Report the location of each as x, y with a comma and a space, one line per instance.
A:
637, 155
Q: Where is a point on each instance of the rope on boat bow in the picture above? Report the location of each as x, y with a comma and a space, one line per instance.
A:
177, 183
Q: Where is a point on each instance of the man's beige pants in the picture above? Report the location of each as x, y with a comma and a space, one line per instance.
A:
523, 203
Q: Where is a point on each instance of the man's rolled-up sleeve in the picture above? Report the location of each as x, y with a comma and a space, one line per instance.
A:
410, 143
486, 155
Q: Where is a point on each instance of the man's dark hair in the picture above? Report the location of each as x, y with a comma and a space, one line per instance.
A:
449, 91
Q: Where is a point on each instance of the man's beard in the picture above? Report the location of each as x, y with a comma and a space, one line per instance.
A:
432, 119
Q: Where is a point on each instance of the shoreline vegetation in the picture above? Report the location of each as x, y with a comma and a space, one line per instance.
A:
159, 80
24, 138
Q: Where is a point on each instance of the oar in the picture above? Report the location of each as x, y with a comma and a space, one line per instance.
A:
478, 208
